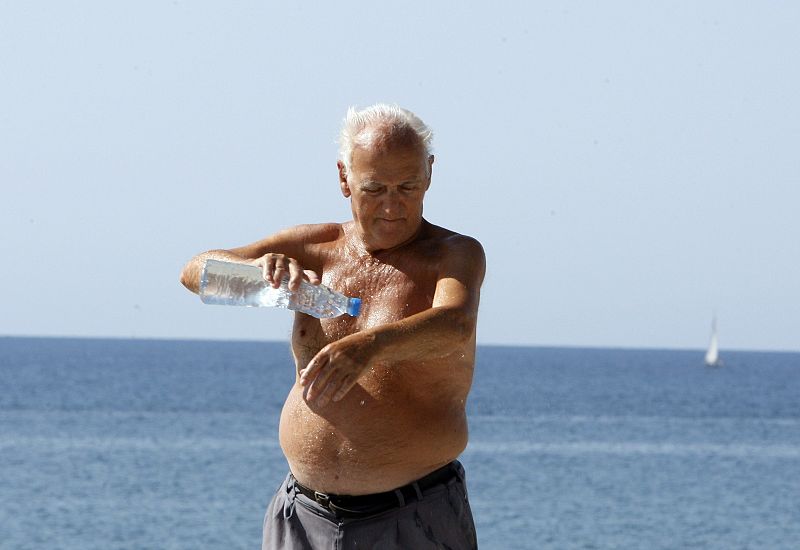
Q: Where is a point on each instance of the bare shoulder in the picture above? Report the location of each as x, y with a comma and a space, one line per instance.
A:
466, 246
458, 253
455, 244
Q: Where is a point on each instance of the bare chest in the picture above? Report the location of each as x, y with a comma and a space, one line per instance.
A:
388, 293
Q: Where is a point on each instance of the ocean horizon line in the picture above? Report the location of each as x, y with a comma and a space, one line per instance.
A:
540, 346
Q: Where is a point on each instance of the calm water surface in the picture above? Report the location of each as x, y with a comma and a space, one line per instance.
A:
109, 444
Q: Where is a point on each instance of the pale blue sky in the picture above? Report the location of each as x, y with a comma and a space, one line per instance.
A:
630, 167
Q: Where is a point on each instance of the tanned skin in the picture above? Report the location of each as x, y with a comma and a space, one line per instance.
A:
379, 399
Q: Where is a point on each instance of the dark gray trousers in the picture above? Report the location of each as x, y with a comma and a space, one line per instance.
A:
441, 519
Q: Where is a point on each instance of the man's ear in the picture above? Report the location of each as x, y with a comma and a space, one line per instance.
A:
430, 171
345, 187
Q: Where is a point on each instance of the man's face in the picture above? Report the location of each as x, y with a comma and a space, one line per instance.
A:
386, 184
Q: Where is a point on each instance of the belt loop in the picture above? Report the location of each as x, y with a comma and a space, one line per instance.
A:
417, 490
291, 493
459, 470
323, 500
400, 498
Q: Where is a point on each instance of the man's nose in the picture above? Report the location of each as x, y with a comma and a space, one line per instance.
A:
392, 202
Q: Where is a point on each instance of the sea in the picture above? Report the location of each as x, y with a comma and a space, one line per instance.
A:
159, 444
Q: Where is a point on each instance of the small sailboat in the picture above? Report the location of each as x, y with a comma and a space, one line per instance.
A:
712, 353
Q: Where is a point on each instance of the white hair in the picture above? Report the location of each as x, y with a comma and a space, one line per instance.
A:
380, 114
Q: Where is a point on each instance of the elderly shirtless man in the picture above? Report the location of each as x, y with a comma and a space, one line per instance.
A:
374, 423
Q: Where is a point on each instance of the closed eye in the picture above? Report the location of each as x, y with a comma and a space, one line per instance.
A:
372, 188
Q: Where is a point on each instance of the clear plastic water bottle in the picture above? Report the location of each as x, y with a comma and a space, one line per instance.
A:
233, 284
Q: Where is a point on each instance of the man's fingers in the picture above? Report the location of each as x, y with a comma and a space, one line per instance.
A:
329, 376
312, 277
275, 267
344, 386
295, 275
321, 380
316, 392
311, 370
336, 386
323, 397
266, 267
269, 267
266, 273
280, 271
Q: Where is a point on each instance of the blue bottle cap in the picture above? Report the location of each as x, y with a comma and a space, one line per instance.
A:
353, 306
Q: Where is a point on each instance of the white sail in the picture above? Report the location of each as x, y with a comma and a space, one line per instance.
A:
712, 354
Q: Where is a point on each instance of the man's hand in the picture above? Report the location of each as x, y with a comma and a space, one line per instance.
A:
276, 266
336, 368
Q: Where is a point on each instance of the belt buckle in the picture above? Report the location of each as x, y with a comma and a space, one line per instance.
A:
322, 499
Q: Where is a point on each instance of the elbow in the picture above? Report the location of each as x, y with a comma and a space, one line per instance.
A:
463, 326
190, 274
188, 277
183, 278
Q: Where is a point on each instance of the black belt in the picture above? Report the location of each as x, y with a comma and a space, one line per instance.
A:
361, 505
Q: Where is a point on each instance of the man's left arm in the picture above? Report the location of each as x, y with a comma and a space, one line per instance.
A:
443, 329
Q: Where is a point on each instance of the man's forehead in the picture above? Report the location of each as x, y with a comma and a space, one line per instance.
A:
407, 158
386, 138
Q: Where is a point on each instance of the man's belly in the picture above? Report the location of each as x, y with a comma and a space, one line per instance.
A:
373, 440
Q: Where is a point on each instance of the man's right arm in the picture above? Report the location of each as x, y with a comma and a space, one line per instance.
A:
190, 274
290, 251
